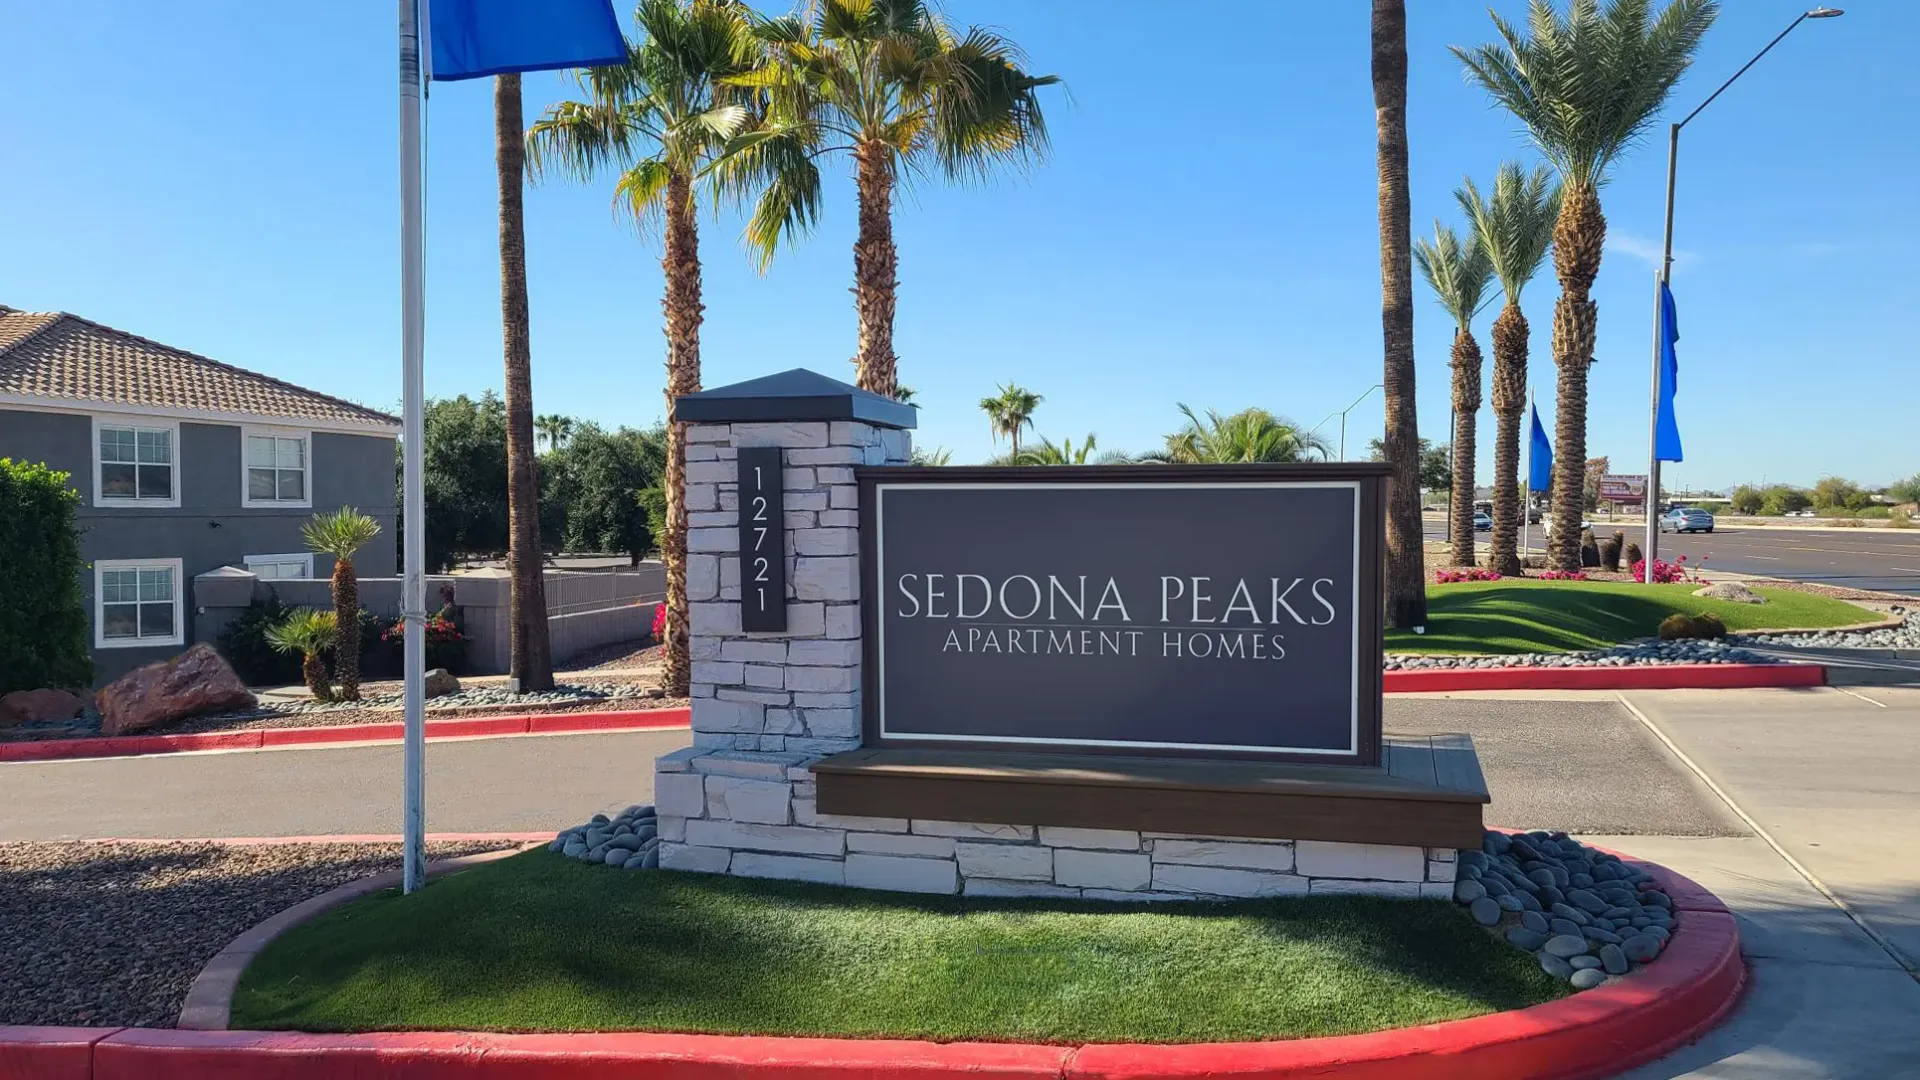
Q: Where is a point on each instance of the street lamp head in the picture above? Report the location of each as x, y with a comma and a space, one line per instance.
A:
1825, 13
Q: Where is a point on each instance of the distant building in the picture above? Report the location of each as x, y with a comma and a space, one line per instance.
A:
184, 464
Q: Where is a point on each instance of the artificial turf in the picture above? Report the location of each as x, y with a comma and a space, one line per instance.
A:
1516, 616
539, 942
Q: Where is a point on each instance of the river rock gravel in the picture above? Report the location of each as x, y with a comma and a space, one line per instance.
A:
1904, 636
114, 933
1609, 916
1628, 654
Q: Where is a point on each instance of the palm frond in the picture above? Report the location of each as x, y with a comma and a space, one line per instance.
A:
1457, 272
1586, 85
339, 533
1513, 226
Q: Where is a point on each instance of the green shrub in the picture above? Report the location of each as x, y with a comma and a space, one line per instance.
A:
1877, 513
1682, 625
43, 612
1836, 512
244, 644
1610, 549
1900, 521
1589, 550
1780, 499
1632, 554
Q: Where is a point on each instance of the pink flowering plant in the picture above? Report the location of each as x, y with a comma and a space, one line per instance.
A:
1471, 573
1562, 575
659, 622
1676, 572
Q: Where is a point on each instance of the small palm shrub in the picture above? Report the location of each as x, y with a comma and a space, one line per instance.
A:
340, 534
1631, 554
307, 633
1589, 549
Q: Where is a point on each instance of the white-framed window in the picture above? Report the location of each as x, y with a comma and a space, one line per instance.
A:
276, 467
136, 461
277, 567
138, 603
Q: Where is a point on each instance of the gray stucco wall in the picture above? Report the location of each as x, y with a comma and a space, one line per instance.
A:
210, 528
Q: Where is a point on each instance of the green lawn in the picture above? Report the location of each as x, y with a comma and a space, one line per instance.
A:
1514, 616
542, 943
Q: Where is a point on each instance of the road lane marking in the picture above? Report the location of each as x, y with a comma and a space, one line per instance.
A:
1769, 558
1906, 569
1760, 831
1862, 697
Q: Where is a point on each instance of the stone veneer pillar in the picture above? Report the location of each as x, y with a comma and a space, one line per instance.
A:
740, 800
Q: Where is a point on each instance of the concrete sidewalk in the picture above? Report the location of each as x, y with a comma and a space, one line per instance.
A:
1831, 781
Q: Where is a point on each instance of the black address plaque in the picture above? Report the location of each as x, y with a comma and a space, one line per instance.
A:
763, 541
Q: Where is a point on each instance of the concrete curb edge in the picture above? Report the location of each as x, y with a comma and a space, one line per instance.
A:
1590, 1035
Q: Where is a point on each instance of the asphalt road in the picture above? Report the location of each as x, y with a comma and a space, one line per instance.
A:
1882, 561
525, 784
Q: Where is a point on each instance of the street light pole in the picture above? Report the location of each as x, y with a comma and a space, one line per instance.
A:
1342, 414
1665, 278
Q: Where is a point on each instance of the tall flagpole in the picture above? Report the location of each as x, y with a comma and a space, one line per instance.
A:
412, 346
1653, 417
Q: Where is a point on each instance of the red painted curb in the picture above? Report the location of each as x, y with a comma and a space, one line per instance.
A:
1638, 677
49, 1053
256, 738
143, 1054
1594, 1034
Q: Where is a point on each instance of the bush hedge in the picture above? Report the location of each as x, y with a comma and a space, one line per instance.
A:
1682, 625
43, 611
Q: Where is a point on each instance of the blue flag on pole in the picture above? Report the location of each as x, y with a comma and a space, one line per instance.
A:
1666, 430
476, 38
1539, 458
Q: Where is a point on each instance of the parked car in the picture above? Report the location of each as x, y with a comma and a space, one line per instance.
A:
1685, 519
1482, 522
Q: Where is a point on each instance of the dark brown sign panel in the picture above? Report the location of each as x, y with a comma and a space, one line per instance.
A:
763, 541
1183, 610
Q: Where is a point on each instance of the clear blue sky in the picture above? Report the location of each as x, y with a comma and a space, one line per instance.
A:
220, 176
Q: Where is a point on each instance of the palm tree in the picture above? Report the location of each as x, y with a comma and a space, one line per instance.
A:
530, 651
1586, 85
1458, 273
1406, 552
659, 120
1513, 227
1010, 411
308, 633
555, 429
893, 86
340, 534
1248, 436
935, 457
1065, 453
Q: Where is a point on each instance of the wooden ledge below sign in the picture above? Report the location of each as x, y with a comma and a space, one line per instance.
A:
1428, 793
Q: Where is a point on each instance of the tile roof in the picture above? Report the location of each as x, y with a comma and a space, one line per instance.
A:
66, 358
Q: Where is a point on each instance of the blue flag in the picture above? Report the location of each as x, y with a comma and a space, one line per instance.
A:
1666, 430
1539, 458
476, 38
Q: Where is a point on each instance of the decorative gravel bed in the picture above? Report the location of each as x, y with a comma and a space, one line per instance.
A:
629, 840
1904, 636
1583, 913
1629, 654
574, 693
113, 934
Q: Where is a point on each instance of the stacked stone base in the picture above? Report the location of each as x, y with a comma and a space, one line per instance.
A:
752, 814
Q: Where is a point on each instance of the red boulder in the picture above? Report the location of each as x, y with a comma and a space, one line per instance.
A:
197, 681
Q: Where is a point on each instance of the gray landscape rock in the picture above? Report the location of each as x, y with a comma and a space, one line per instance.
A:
1527, 902
1613, 959
1565, 945
615, 856
1523, 938
1605, 937
1587, 901
1641, 948
1509, 902
1730, 590
1572, 914
1536, 922
440, 682
1581, 962
1495, 885
1468, 890
1587, 978
636, 861
1485, 910
1563, 926
1621, 912
1556, 967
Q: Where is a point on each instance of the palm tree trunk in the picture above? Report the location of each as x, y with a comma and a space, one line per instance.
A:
1406, 569
1509, 405
314, 674
1578, 236
531, 656
346, 630
875, 262
680, 265
1466, 408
